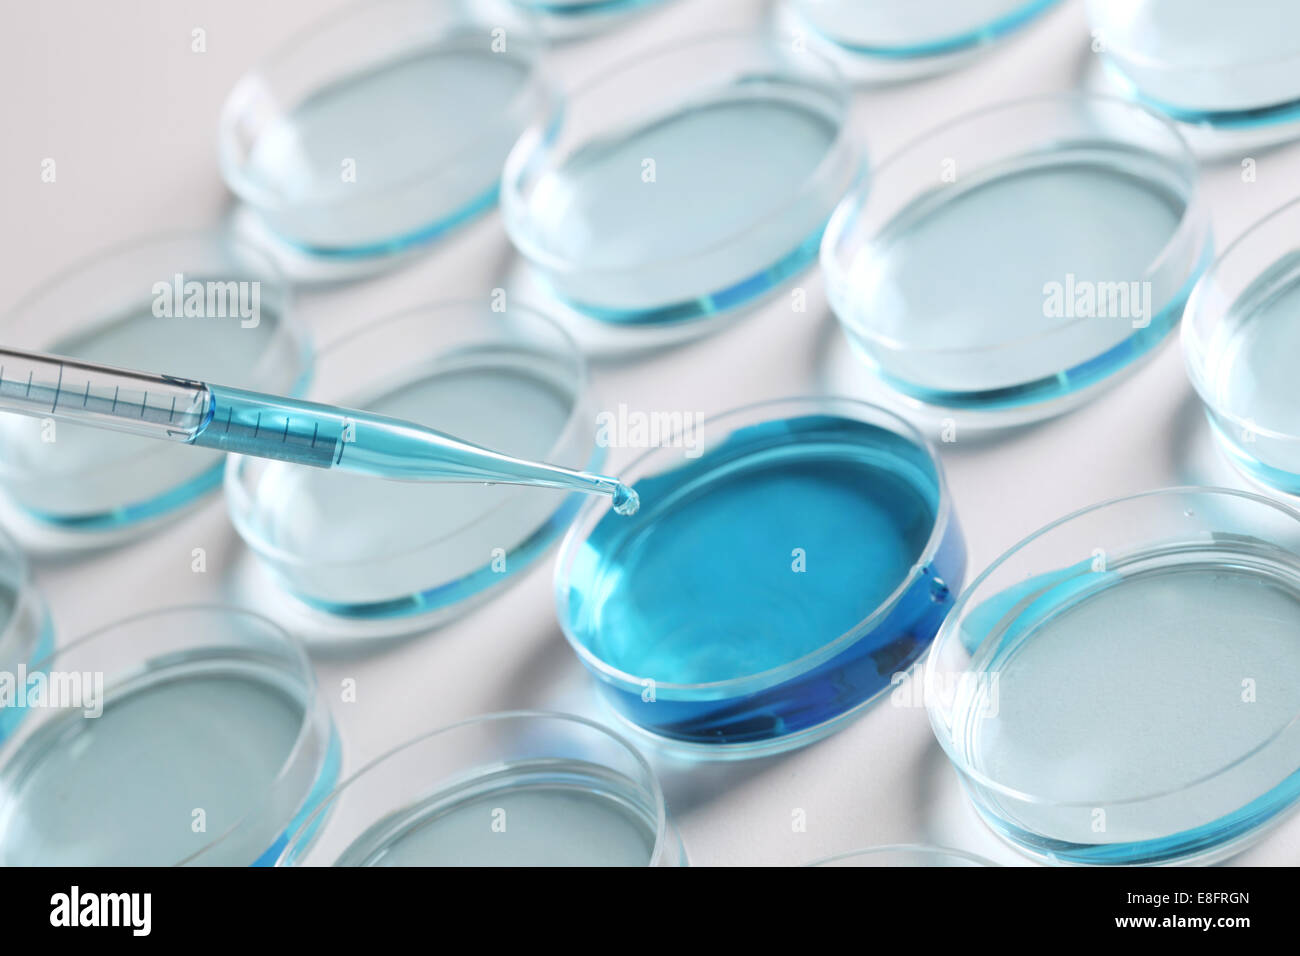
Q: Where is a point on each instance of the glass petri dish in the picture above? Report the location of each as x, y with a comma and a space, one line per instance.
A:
358, 556
509, 789
566, 19
802, 614
903, 39
1123, 686
382, 126
1226, 65
1005, 266
26, 631
187, 736
646, 204
200, 306
905, 854
1240, 339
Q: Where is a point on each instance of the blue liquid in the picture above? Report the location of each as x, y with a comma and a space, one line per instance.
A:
701, 213
559, 814
1254, 377
701, 586
1203, 61
404, 127
961, 277
121, 789
1132, 683
915, 28
91, 479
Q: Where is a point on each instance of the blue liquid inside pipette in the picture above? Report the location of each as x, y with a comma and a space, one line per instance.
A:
325, 436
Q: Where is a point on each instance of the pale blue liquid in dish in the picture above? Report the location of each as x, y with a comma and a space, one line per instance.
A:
362, 547
962, 280
559, 814
904, 28
1231, 63
1254, 377
1146, 684
754, 556
23, 642
435, 114
720, 165
85, 477
121, 789
580, 9
15, 650
8, 604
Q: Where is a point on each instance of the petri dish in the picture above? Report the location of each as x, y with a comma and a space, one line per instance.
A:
567, 19
1239, 338
802, 614
201, 306
905, 854
1007, 265
645, 205
26, 631
354, 556
904, 39
1225, 65
509, 789
192, 735
1123, 687
382, 126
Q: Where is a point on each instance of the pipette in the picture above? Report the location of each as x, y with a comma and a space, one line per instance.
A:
269, 426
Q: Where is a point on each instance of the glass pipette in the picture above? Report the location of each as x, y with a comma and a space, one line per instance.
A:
269, 426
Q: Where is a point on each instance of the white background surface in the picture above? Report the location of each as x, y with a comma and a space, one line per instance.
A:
114, 94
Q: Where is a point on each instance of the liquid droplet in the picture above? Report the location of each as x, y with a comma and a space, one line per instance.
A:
626, 501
